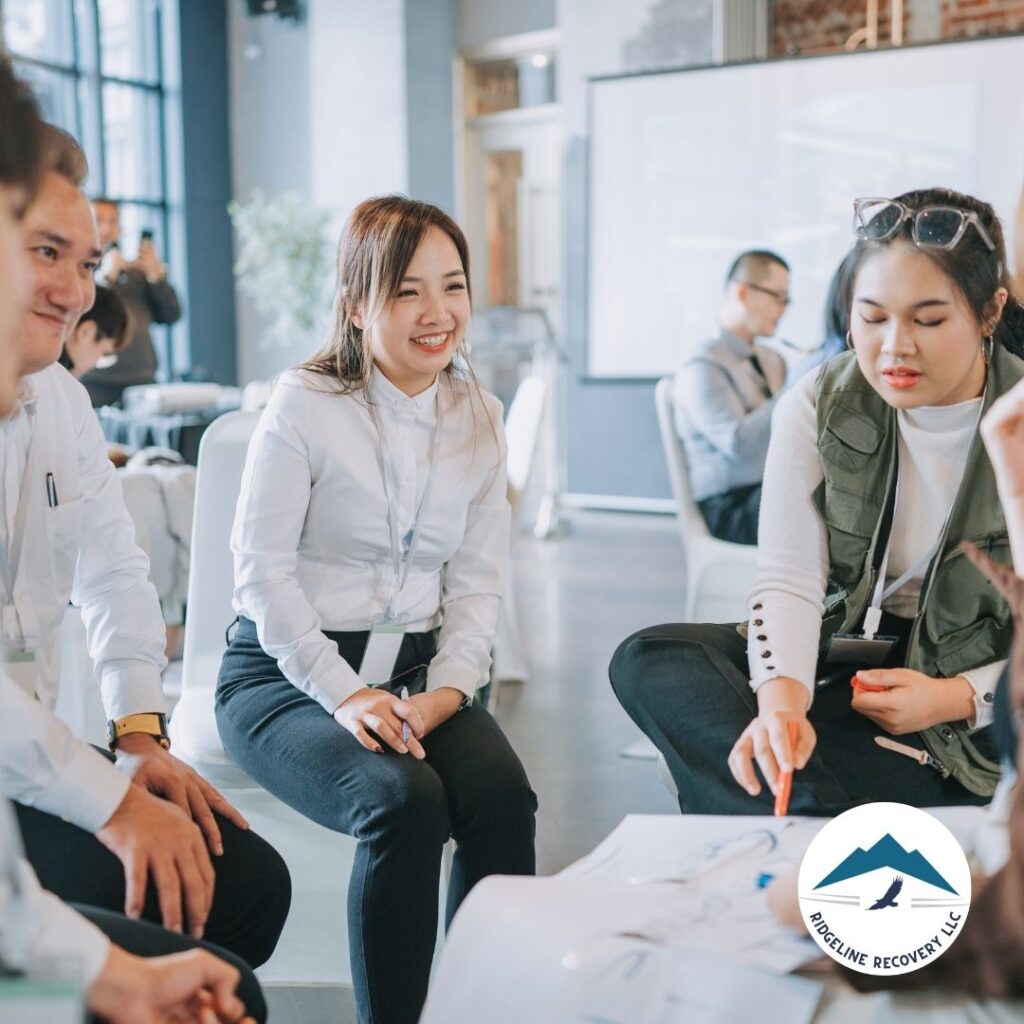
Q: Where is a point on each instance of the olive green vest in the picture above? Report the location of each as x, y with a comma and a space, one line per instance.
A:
962, 621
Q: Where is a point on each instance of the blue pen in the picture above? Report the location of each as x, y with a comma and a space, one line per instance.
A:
404, 695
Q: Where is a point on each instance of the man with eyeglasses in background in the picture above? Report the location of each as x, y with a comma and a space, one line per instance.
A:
724, 395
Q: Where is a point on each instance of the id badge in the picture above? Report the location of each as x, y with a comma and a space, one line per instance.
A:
855, 649
381, 654
20, 668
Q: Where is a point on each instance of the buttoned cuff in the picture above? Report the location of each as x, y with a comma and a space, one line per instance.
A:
87, 792
983, 681
461, 676
131, 688
765, 650
333, 689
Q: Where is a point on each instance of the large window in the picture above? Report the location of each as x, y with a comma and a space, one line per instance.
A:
96, 69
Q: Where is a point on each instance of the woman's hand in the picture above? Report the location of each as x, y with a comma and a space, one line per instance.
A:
912, 701
380, 712
436, 706
766, 739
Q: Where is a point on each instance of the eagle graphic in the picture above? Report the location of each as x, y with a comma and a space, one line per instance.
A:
889, 899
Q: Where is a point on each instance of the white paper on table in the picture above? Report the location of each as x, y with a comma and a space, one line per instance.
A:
621, 980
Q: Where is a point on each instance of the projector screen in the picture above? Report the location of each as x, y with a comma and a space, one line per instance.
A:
688, 168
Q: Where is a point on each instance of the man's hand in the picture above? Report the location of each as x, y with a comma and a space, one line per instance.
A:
912, 701
436, 706
376, 711
766, 739
150, 836
185, 988
150, 766
149, 262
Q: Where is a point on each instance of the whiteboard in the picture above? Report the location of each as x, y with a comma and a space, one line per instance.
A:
688, 168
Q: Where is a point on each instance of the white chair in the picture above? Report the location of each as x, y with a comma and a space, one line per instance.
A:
522, 430
719, 574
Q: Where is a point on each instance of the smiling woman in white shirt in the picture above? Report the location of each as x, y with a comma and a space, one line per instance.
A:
370, 542
863, 601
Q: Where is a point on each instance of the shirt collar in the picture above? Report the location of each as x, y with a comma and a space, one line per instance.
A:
736, 345
382, 390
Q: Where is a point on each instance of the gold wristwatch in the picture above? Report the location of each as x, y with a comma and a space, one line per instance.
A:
149, 723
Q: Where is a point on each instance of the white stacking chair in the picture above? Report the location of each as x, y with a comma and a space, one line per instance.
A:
523, 426
719, 574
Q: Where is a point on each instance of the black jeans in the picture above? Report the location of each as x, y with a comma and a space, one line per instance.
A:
471, 786
145, 939
251, 895
733, 514
687, 687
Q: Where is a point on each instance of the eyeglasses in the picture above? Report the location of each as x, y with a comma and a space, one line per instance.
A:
932, 227
780, 297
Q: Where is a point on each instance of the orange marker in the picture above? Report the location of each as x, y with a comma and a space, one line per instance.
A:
858, 684
786, 778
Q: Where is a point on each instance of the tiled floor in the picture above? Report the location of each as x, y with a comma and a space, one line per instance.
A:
578, 596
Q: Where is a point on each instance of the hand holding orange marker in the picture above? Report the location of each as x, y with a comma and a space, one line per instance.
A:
864, 687
786, 777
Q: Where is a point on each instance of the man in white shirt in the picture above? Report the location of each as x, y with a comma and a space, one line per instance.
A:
39, 935
90, 833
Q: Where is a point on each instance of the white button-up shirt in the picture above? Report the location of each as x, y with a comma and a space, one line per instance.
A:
82, 550
311, 541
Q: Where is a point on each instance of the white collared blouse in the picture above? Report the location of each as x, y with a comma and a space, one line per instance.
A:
311, 542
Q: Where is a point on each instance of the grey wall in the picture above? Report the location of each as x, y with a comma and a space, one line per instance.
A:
483, 20
431, 35
206, 161
612, 442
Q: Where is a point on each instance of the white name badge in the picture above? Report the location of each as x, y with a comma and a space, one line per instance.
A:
381, 654
20, 668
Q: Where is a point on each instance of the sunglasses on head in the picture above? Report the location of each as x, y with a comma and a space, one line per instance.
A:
932, 227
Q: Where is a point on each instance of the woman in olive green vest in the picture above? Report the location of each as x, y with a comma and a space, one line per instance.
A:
875, 475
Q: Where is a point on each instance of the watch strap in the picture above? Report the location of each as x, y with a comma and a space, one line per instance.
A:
149, 723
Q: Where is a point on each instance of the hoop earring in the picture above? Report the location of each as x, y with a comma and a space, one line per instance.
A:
849, 340
987, 346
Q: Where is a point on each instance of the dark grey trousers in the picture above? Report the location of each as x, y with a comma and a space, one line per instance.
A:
687, 687
471, 786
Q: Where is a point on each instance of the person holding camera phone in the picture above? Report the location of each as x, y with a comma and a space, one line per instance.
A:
875, 475
142, 286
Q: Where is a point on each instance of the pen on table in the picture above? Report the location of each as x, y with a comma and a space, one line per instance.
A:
786, 777
51, 491
404, 695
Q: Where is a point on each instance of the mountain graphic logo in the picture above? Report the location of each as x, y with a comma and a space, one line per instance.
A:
886, 853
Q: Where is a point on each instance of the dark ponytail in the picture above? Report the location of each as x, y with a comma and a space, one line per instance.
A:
975, 270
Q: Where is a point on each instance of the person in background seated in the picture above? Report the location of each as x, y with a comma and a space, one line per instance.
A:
147, 833
875, 475
146, 972
837, 316
101, 332
725, 393
150, 298
370, 543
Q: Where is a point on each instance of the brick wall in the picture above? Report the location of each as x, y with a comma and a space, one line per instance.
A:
818, 26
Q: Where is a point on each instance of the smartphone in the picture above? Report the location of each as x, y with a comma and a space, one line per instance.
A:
146, 236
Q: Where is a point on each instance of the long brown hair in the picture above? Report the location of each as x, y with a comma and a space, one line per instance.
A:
376, 247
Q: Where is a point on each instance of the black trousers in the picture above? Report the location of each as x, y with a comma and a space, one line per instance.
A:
145, 939
251, 895
687, 687
471, 786
733, 514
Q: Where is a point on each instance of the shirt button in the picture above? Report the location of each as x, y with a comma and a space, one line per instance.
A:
766, 654
770, 668
758, 622
758, 607
761, 636
988, 698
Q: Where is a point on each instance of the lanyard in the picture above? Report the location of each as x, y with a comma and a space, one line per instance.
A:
873, 616
10, 553
404, 550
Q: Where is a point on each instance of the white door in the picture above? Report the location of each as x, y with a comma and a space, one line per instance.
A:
513, 210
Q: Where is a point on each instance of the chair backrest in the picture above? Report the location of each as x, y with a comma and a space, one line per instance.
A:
522, 430
210, 585
691, 522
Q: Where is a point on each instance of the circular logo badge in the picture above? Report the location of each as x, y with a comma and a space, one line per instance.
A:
884, 888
